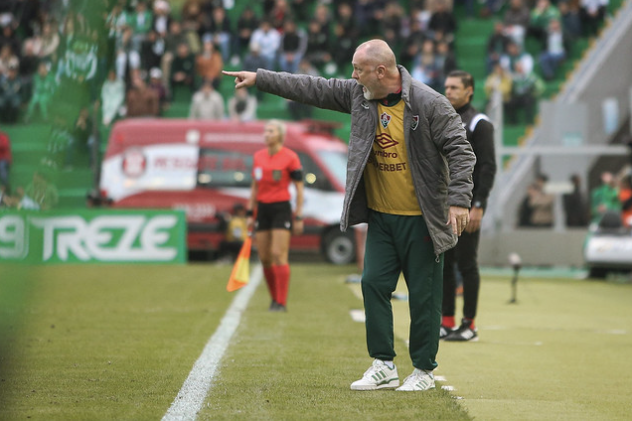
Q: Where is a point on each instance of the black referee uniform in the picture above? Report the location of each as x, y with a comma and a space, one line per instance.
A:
480, 134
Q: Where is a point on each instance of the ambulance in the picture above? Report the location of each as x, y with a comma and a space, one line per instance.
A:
204, 168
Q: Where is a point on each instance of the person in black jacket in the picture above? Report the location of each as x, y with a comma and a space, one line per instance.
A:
575, 206
459, 89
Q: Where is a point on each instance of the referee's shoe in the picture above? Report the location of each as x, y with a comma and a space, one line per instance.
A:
466, 332
444, 331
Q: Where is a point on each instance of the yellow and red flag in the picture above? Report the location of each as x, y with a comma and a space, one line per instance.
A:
240, 275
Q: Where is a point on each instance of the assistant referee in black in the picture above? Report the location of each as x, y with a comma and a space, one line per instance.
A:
459, 89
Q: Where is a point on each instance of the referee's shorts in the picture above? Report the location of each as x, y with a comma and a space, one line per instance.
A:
277, 215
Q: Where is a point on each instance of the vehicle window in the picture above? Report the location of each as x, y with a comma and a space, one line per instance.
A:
336, 163
313, 176
221, 168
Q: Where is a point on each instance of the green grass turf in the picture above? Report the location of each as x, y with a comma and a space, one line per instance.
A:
559, 353
107, 342
299, 365
117, 342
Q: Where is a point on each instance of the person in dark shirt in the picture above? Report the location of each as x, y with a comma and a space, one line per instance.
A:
152, 50
293, 46
575, 205
496, 45
10, 95
318, 44
442, 23
459, 89
182, 69
246, 24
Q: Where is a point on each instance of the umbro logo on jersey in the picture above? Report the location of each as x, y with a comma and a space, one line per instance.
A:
385, 119
385, 141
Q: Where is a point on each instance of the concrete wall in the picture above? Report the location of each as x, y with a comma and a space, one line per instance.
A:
536, 247
605, 73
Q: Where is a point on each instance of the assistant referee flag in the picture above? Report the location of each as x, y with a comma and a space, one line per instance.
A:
240, 275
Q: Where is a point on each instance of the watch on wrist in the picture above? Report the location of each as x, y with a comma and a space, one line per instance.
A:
298, 218
477, 204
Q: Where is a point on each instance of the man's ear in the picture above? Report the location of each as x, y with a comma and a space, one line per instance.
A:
381, 71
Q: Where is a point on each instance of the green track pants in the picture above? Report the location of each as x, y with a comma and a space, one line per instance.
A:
397, 244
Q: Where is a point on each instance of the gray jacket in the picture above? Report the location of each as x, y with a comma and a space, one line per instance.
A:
440, 158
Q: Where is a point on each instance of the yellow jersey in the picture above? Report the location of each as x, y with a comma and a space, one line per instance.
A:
387, 177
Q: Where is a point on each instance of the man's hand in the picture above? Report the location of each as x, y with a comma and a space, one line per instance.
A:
476, 214
459, 217
242, 79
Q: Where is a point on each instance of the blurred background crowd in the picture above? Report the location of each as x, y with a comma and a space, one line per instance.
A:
78, 65
134, 53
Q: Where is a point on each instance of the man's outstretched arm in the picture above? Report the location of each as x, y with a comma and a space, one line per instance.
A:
332, 94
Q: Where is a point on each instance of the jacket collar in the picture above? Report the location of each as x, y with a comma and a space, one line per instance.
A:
407, 81
392, 98
464, 108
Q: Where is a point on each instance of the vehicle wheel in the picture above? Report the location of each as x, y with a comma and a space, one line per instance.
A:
339, 247
597, 273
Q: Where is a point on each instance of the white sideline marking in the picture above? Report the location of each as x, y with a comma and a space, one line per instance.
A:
195, 388
357, 316
616, 332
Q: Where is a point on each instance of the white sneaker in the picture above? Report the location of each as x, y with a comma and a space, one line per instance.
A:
378, 376
418, 381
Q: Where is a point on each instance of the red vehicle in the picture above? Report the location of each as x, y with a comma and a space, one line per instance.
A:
204, 168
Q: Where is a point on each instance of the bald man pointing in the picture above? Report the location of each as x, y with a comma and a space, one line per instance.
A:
409, 175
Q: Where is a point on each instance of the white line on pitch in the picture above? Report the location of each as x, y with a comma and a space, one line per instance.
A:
195, 388
357, 316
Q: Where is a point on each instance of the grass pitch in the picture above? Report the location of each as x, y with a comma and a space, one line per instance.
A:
117, 342
110, 342
559, 353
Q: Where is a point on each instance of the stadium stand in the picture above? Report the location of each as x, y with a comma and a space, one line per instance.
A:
30, 141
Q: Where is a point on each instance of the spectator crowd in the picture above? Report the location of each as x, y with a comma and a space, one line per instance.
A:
550, 28
151, 53
70, 62
612, 197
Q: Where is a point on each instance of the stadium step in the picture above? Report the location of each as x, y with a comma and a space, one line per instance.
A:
73, 198
75, 178
512, 134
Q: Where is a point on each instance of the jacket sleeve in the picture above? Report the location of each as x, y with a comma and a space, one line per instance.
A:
446, 130
483, 145
332, 94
